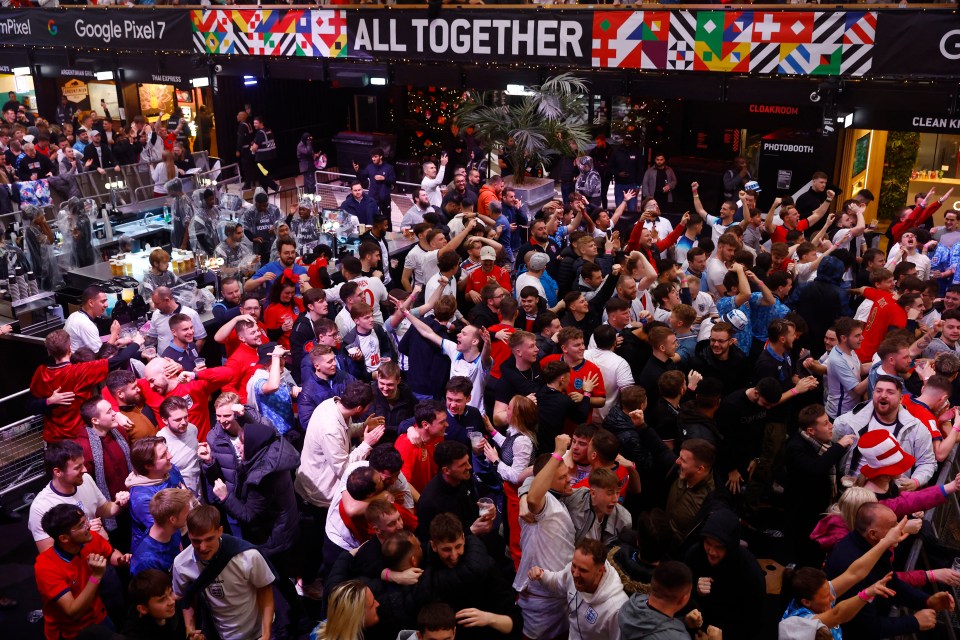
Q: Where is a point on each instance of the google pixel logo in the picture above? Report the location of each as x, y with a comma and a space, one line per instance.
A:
52, 28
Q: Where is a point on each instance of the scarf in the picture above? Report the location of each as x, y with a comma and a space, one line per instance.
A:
822, 448
96, 451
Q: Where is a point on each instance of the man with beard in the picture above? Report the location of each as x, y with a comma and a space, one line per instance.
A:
884, 411
286, 259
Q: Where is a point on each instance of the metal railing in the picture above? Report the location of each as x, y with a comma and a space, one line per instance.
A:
21, 449
943, 521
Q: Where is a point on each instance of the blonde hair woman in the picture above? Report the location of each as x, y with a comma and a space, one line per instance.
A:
515, 454
351, 609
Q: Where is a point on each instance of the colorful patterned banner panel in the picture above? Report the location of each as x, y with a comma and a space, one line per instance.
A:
771, 42
311, 33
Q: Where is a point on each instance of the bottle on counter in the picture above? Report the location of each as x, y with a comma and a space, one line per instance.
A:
138, 308
166, 214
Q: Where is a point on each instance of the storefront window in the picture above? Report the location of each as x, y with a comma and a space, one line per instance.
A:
938, 152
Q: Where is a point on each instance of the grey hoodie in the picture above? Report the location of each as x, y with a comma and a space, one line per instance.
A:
913, 437
638, 620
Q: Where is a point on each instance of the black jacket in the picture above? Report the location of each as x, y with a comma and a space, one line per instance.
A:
626, 165
694, 424
264, 502
807, 485
733, 372
594, 317
394, 412
438, 497
554, 409
736, 598
106, 162
426, 358
874, 620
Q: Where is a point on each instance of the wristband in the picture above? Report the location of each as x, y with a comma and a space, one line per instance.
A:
556, 456
955, 429
793, 392
94, 580
386, 575
866, 597
930, 577
586, 394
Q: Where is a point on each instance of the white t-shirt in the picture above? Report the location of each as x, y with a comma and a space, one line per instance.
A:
83, 332
470, 369
547, 543
370, 346
717, 228
527, 280
422, 263
183, 453
232, 596
345, 323
616, 375
87, 496
371, 290
921, 261
449, 289
705, 306
715, 273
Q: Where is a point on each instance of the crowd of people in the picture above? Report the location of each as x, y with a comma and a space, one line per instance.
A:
570, 422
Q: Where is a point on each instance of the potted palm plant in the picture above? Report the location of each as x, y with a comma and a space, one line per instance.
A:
550, 120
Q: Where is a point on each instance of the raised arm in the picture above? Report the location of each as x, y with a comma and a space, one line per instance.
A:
628, 195
820, 235
536, 497
697, 205
459, 238
768, 298
224, 332
821, 211
422, 328
743, 284
768, 223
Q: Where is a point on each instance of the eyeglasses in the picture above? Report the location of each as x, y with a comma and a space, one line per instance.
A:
719, 340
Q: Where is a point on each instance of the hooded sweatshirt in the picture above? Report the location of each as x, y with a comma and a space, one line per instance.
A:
592, 616
736, 597
822, 301
912, 435
637, 620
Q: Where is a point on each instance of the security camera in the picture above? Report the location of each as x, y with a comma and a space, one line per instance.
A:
815, 97
218, 68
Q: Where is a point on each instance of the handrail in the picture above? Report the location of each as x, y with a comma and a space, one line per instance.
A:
353, 176
949, 469
15, 395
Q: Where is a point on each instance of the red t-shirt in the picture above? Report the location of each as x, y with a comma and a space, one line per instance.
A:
584, 370
418, 465
922, 413
232, 341
499, 350
58, 575
276, 314
244, 364
477, 279
197, 394
64, 421
884, 314
622, 473
780, 232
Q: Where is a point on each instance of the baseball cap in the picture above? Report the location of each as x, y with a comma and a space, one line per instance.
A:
95, 133
736, 318
487, 253
753, 185
537, 261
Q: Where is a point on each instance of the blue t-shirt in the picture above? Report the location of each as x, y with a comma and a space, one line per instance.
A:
140, 496
187, 358
277, 269
744, 336
152, 554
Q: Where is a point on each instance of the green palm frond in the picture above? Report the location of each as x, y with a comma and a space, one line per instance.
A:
536, 128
